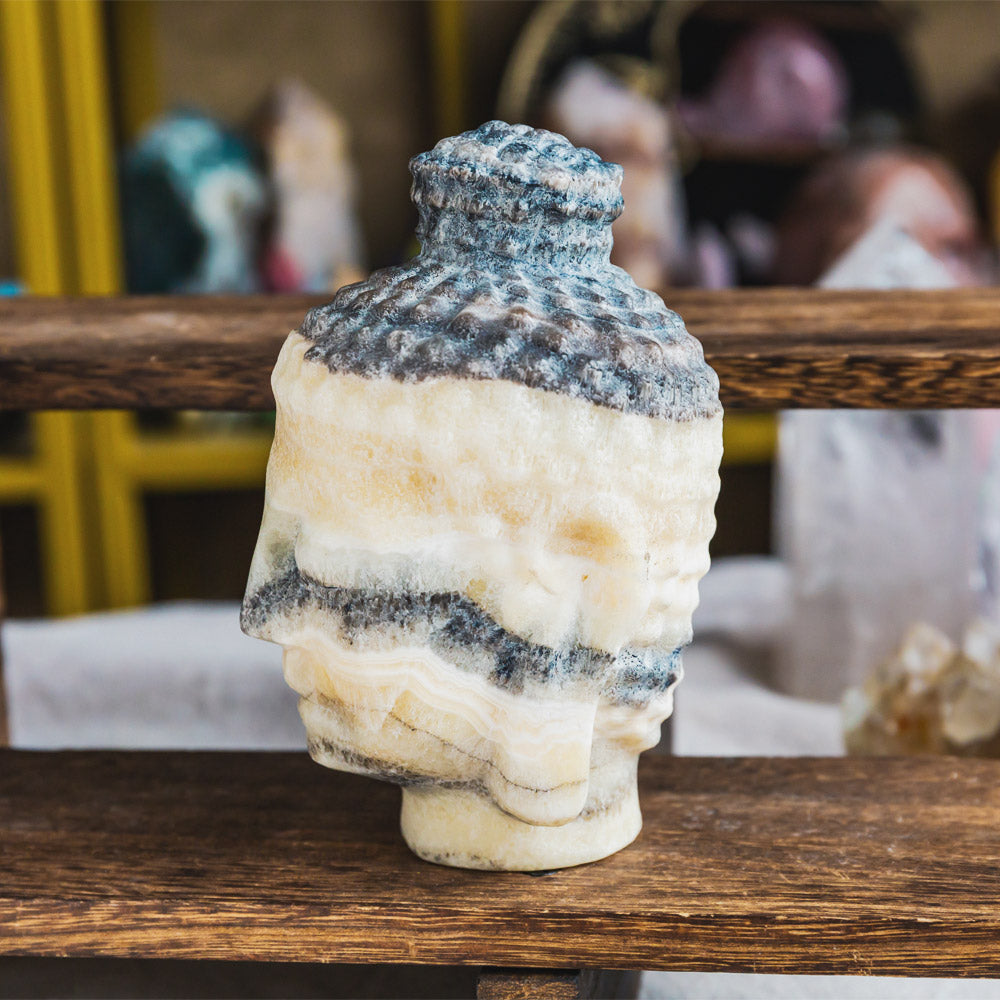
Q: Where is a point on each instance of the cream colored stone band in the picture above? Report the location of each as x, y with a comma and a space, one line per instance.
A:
410, 709
453, 826
552, 513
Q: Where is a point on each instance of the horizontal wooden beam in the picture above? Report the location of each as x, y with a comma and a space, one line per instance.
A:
138, 352
773, 349
888, 867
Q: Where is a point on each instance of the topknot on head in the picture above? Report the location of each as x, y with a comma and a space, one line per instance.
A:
509, 171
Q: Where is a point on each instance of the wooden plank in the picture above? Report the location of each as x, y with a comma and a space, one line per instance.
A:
787, 865
206, 352
772, 348
806, 348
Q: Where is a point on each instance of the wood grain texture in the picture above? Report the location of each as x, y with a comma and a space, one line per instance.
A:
806, 348
135, 352
772, 348
530, 984
786, 865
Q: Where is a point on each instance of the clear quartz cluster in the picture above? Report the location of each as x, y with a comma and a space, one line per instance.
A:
930, 697
489, 502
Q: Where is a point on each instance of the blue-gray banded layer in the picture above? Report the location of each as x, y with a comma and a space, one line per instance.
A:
449, 624
514, 282
600, 339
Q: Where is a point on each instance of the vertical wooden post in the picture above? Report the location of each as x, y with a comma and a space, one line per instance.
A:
557, 984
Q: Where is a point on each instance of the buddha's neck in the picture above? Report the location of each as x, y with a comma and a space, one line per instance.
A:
547, 240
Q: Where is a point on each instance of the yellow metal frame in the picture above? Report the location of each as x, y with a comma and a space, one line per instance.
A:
128, 462
88, 131
749, 438
54, 476
21, 479
31, 111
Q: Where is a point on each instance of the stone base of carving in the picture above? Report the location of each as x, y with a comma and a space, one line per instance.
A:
458, 827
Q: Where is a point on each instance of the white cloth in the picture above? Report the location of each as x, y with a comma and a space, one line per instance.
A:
175, 676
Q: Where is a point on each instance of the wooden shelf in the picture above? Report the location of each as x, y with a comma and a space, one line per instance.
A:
827, 866
773, 349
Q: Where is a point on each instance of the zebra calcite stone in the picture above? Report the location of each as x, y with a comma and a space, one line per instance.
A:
489, 503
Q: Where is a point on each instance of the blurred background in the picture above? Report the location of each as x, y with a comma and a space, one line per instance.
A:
303, 116
261, 147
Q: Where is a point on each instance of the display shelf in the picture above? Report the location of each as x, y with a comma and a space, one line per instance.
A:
787, 865
773, 349
854, 866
